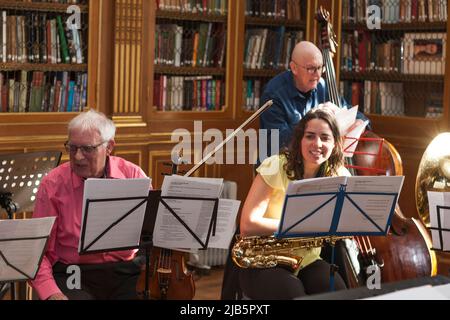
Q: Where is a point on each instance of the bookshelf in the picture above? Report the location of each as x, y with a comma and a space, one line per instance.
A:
43, 61
271, 29
406, 97
190, 58
44, 65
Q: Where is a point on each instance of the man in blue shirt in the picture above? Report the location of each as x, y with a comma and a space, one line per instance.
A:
294, 93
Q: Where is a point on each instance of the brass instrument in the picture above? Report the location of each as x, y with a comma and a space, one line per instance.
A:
433, 173
268, 251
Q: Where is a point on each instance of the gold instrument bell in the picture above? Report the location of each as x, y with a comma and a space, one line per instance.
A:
433, 173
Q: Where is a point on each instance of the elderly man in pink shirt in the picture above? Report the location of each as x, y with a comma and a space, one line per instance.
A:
111, 275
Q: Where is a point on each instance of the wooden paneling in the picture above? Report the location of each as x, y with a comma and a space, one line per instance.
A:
134, 156
127, 56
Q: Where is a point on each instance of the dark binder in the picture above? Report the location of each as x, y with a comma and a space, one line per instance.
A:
440, 230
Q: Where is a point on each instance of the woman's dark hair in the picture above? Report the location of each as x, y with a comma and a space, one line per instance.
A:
294, 166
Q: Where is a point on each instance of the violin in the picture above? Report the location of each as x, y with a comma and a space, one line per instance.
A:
404, 253
167, 277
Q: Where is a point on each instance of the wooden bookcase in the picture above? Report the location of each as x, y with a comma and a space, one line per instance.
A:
22, 131
269, 35
411, 131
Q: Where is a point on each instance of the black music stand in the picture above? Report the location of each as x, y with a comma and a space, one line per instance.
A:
152, 204
31, 237
154, 200
444, 246
20, 176
295, 218
147, 234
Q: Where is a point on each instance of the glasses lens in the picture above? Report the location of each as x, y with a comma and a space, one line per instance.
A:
87, 149
313, 70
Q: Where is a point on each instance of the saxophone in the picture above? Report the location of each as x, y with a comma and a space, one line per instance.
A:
269, 251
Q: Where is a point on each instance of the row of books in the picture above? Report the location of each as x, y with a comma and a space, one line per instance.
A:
388, 98
396, 11
252, 89
197, 93
60, 1
434, 106
201, 45
413, 53
376, 97
287, 9
269, 48
37, 91
219, 7
39, 38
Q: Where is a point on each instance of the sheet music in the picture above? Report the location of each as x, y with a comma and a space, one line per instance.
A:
314, 209
439, 199
302, 206
377, 207
351, 139
346, 118
226, 223
21, 251
180, 186
103, 214
170, 233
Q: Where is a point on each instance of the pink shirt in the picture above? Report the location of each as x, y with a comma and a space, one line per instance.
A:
61, 195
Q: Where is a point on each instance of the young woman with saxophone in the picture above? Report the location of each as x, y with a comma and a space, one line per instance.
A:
315, 151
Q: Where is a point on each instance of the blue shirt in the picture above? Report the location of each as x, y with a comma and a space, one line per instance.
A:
289, 106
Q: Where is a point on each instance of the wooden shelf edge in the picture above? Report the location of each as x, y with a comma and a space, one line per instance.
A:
390, 76
399, 27
40, 6
13, 66
179, 15
201, 71
270, 21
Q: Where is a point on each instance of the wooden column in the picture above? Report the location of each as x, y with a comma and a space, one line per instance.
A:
127, 88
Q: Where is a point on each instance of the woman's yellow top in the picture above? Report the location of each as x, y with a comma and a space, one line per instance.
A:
273, 173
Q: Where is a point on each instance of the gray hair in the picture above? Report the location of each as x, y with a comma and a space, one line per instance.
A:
93, 120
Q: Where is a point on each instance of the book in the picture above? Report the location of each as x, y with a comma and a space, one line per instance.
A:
425, 53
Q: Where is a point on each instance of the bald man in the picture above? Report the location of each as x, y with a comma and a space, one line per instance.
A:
295, 92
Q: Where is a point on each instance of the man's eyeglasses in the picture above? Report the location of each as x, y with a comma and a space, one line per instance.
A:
312, 70
86, 150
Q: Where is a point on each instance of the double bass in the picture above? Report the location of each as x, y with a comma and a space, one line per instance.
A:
404, 253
